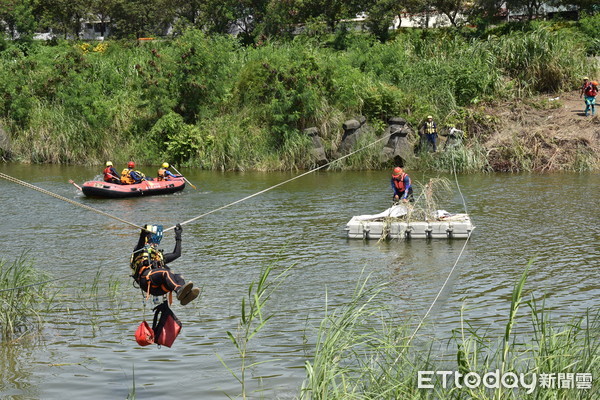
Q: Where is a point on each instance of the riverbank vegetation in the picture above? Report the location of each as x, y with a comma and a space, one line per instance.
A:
360, 354
214, 103
21, 304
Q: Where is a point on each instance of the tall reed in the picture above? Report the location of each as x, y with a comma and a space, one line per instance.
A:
21, 303
253, 318
362, 352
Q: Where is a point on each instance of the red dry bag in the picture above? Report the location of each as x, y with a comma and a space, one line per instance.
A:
144, 335
166, 325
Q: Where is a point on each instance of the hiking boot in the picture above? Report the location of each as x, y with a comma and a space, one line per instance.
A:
191, 295
184, 290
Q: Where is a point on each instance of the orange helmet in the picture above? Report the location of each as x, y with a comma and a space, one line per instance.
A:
130, 164
397, 171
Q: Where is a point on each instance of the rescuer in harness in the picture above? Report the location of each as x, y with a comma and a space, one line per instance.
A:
401, 186
164, 174
150, 269
110, 174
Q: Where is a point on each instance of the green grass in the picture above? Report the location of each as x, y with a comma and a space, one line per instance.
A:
363, 352
21, 306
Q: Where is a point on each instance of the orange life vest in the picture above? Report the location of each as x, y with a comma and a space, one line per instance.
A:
161, 174
399, 182
126, 178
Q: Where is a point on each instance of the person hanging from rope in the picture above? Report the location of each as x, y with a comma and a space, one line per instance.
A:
150, 270
110, 174
129, 176
164, 174
401, 185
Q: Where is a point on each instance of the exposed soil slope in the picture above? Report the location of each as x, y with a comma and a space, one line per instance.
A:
545, 134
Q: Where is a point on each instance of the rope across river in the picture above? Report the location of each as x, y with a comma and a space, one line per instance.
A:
384, 137
59, 197
77, 204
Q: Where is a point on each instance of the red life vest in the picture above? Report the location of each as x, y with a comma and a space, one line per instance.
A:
108, 175
399, 182
590, 89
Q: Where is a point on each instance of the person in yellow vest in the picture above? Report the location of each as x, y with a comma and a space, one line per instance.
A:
429, 132
129, 176
164, 174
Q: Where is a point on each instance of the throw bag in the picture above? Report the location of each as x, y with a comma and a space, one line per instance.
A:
144, 335
166, 325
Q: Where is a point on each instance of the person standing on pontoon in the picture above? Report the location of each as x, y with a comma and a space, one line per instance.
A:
401, 186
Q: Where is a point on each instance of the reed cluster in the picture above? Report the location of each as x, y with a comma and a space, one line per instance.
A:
364, 352
22, 304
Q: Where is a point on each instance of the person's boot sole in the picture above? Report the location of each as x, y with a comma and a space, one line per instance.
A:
185, 290
191, 295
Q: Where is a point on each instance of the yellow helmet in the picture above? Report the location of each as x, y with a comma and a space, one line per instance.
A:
165, 165
109, 164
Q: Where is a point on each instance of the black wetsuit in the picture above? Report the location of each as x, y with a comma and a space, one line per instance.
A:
162, 280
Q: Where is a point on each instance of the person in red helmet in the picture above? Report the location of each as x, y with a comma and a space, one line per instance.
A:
129, 175
401, 186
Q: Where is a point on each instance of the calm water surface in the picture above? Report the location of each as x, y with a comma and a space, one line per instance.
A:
87, 349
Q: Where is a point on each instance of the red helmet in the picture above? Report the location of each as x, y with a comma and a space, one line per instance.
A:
397, 171
130, 164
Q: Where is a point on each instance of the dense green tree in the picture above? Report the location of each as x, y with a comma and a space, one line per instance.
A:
17, 18
380, 16
62, 16
101, 10
332, 11
452, 9
141, 18
531, 7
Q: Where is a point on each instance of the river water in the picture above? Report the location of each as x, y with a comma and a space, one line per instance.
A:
87, 347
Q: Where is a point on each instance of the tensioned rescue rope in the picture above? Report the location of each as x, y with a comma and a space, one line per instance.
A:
449, 273
47, 192
282, 183
28, 185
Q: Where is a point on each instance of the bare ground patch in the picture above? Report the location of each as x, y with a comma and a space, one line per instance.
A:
544, 134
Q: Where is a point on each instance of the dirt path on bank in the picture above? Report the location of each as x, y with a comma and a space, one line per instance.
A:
545, 133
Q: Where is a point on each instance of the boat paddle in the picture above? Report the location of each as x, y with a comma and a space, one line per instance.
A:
76, 185
184, 178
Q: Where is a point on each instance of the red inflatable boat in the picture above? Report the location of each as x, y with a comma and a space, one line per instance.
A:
146, 188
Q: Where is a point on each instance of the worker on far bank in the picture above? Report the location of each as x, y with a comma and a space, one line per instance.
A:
129, 176
429, 132
401, 185
164, 174
589, 90
110, 174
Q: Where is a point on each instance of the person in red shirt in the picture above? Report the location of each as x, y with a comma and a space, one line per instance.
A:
110, 174
589, 90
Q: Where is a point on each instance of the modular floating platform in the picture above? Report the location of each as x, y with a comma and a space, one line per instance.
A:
396, 223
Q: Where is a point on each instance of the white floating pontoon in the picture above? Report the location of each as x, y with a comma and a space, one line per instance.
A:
395, 223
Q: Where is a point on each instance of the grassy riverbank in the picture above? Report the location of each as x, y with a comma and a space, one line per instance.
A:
212, 103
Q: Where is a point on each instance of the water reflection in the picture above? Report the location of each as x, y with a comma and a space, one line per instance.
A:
518, 217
